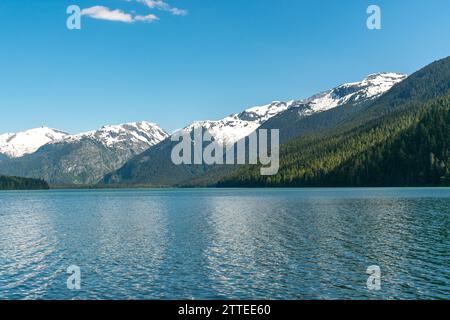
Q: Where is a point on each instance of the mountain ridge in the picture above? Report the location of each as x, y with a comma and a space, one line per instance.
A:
239, 125
32, 139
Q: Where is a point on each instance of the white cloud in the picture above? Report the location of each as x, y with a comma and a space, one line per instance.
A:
104, 13
178, 12
147, 18
164, 6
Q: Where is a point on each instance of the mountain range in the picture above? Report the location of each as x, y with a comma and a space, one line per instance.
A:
338, 137
84, 158
154, 167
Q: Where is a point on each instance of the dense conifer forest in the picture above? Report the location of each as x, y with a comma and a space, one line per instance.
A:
17, 183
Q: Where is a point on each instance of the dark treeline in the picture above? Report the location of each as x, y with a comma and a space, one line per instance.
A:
17, 183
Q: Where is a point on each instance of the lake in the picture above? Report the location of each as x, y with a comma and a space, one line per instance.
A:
225, 243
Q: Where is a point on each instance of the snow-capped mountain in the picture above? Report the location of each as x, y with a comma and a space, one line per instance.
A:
371, 87
122, 136
18, 144
141, 135
84, 158
240, 125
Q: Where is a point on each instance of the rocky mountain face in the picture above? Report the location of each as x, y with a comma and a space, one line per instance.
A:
85, 158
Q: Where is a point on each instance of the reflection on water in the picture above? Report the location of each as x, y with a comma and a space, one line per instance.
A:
207, 244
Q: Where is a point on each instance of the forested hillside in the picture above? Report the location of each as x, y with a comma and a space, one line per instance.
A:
401, 149
418, 156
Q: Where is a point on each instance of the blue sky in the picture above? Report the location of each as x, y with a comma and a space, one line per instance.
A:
211, 59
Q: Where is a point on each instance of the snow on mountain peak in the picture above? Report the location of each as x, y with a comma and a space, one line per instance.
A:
146, 133
237, 126
228, 130
130, 135
18, 144
371, 87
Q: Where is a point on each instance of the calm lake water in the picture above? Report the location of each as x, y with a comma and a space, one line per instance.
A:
223, 244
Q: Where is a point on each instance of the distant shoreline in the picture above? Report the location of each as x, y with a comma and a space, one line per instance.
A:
95, 187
